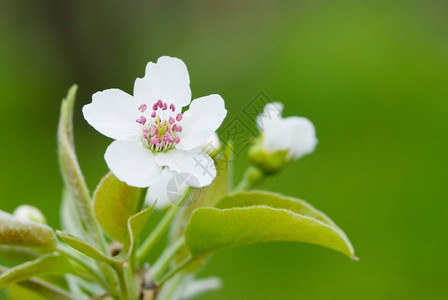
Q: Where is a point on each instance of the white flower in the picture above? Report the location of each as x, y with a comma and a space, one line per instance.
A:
296, 135
154, 139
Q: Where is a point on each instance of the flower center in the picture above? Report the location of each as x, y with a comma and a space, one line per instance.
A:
160, 128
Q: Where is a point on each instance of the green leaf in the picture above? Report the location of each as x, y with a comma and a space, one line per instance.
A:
70, 217
85, 248
71, 172
245, 199
114, 202
18, 254
17, 292
135, 226
15, 232
212, 229
44, 265
35, 289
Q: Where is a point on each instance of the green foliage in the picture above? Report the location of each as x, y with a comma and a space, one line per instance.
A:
114, 202
74, 181
44, 265
14, 232
86, 248
212, 229
250, 198
18, 254
36, 289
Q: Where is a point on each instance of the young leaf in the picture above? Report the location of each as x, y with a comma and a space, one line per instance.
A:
44, 265
114, 202
212, 229
71, 172
15, 232
70, 217
86, 249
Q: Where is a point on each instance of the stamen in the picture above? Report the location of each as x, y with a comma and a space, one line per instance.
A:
160, 130
142, 107
141, 120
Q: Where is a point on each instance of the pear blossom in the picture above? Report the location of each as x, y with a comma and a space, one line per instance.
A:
154, 138
295, 135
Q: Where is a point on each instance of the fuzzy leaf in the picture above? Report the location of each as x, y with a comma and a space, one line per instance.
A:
212, 229
15, 232
69, 215
86, 249
114, 203
71, 172
44, 265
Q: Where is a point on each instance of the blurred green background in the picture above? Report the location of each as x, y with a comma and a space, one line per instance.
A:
371, 75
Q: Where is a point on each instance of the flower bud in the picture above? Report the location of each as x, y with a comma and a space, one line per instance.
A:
29, 213
268, 163
281, 139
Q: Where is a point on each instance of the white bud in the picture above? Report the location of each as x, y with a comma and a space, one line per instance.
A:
29, 213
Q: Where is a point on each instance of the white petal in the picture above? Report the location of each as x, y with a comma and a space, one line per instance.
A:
276, 136
294, 134
113, 113
130, 162
304, 136
166, 80
203, 118
158, 191
193, 162
271, 113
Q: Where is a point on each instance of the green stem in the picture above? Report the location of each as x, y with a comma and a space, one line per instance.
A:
160, 229
122, 281
177, 269
101, 280
167, 256
251, 178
